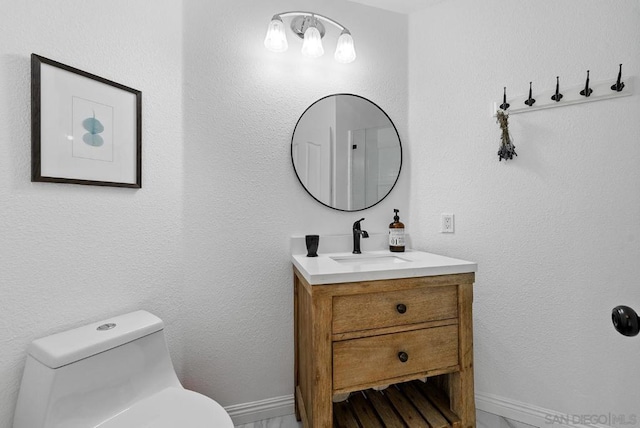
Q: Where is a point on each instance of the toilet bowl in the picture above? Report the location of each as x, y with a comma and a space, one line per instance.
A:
111, 374
172, 408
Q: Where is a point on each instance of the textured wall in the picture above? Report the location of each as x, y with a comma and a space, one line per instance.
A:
242, 198
72, 254
555, 231
205, 242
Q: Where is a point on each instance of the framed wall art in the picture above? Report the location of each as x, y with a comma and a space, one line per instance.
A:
84, 129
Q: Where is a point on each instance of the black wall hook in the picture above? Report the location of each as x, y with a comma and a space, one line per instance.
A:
504, 104
587, 91
558, 96
530, 101
618, 86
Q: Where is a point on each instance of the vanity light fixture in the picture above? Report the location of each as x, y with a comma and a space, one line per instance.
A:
308, 26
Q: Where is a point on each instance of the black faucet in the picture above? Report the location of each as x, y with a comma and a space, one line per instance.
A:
357, 232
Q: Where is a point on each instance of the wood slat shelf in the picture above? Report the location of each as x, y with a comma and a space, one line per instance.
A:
412, 404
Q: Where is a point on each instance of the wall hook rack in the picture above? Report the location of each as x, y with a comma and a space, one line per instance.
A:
597, 91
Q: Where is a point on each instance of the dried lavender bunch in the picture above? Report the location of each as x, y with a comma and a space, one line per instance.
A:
507, 149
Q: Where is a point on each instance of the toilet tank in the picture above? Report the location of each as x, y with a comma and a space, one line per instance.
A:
82, 377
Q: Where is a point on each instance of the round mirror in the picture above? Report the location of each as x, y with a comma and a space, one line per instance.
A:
346, 152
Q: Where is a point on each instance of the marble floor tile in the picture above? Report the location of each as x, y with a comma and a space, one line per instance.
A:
487, 420
281, 422
484, 420
508, 423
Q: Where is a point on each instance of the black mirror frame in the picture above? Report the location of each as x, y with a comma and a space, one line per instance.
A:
394, 128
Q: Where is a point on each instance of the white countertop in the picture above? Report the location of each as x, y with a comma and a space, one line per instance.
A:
325, 270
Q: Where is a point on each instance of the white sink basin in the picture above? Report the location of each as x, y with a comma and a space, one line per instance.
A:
366, 259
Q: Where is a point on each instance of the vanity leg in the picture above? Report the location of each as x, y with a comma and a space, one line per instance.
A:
296, 380
322, 413
313, 355
461, 388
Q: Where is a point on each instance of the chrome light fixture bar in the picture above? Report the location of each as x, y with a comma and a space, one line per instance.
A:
308, 26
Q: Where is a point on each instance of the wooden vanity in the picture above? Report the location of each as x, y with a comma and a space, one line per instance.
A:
353, 336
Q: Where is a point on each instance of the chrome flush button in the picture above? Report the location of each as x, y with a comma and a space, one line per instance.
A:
107, 326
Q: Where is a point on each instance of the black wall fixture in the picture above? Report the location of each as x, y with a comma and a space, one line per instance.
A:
557, 96
504, 104
531, 101
618, 86
587, 91
625, 320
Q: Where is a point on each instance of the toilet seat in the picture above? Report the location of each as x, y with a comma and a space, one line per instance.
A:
171, 408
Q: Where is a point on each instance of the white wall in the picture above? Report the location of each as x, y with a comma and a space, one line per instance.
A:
555, 231
205, 243
71, 254
242, 198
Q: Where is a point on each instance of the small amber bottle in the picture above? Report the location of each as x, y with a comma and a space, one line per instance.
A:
396, 234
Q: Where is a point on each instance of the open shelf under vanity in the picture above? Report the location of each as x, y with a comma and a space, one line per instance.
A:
412, 404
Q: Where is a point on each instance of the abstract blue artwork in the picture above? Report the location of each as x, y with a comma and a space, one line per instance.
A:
95, 127
92, 130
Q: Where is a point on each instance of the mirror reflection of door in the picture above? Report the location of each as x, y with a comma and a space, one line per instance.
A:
346, 152
311, 152
373, 165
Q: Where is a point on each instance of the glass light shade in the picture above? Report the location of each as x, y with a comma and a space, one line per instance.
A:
276, 39
312, 45
345, 51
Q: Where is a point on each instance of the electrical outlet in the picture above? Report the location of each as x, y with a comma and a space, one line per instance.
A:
446, 223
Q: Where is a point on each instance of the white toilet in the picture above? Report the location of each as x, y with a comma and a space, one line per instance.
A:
110, 374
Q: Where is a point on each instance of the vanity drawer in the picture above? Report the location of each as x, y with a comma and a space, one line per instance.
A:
374, 359
392, 308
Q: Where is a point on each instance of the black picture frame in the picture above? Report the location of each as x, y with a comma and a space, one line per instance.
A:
104, 149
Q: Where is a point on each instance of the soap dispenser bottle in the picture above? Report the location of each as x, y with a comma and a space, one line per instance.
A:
396, 234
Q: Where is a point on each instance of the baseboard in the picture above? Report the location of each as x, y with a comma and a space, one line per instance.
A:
247, 413
534, 415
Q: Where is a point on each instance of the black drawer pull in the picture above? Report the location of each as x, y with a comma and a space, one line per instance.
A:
401, 308
403, 357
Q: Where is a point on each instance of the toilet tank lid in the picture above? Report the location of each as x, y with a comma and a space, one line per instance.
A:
70, 346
